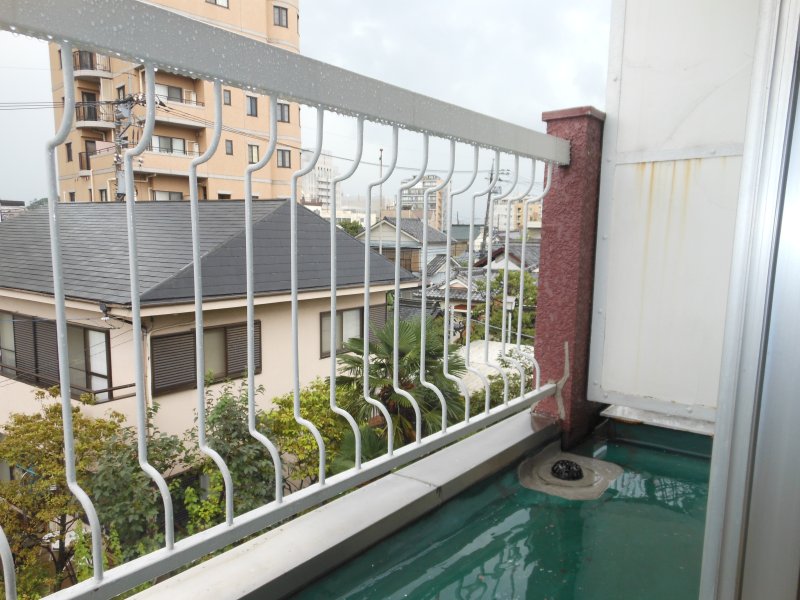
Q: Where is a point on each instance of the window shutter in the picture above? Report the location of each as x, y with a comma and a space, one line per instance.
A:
173, 362
24, 347
377, 320
46, 352
236, 347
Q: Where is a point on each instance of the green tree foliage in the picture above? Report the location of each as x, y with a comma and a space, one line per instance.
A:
381, 373
37, 511
351, 227
496, 314
249, 462
300, 449
127, 500
372, 446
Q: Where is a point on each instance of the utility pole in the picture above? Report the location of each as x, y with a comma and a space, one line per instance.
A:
380, 176
486, 214
123, 120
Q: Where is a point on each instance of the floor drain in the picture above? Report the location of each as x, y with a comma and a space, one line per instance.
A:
567, 475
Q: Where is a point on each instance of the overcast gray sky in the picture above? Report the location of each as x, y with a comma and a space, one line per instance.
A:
511, 59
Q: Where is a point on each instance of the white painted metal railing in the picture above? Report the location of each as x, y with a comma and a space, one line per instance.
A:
223, 57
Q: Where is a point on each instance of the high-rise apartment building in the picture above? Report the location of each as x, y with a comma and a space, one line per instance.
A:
318, 184
184, 117
412, 201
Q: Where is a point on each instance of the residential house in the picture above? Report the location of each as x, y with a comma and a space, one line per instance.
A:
532, 252
382, 238
95, 258
9, 208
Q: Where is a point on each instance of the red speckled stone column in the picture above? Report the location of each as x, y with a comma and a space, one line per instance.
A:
566, 268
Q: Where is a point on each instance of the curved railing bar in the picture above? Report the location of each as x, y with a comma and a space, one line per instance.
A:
525, 205
424, 303
295, 303
396, 315
61, 315
9, 575
506, 330
198, 305
446, 366
488, 302
251, 312
336, 180
136, 318
367, 252
471, 259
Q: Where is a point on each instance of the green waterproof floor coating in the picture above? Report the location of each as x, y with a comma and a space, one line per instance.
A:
641, 540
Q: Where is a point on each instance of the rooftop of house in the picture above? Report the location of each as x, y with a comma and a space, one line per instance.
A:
94, 245
414, 228
532, 254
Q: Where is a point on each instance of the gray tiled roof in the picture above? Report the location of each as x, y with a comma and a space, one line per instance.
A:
95, 251
413, 227
436, 263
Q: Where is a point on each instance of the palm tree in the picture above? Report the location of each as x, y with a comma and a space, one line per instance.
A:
380, 378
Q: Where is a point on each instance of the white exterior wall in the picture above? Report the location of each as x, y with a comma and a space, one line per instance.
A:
678, 85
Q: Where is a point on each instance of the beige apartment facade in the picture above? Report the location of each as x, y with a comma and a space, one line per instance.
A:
184, 116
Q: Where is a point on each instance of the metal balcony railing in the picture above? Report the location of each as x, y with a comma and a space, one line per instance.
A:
84, 60
217, 55
172, 151
94, 112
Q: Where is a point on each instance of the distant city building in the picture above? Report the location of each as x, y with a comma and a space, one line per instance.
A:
318, 184
501, 210
9, 208
412, 201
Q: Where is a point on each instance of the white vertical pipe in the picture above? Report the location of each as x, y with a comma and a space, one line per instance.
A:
492, 183
424, 302
396, 329
447, 270
198, 305
136, 317
61, 314
9, 576
526, 204
334, 281
251, 325
367, 252
295, 303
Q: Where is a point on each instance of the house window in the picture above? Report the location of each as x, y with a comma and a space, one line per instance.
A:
169, 92
68, 148
349, 324
222, 3
283, 112
223, 196
229, 147
169, 145
164, 196
103, 195
121, 92
285, 159
226, 97
72, 196
280, 16
29, 352
252, 106
225, 356
252, 154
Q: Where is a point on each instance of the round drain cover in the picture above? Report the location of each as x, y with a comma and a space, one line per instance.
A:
566, 470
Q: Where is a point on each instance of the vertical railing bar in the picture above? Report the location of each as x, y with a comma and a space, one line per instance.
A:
61, 316
136, 317
449, 321
367, 252
424, 301
396, 316
251, 313
526, 204
471, 253
9, 575
488, 304
295, 302
334, 288
506, 327
198, 305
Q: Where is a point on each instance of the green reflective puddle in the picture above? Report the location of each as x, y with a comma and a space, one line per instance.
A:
641, 540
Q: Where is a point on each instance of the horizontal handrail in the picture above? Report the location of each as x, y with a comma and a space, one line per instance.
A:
86, 60
213, 53
54, 381
94, 111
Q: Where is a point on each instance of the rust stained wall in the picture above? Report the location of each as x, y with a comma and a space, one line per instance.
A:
566, 272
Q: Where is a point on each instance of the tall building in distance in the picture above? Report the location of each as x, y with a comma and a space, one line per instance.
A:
318, 184
412, 201
501, 209
88, 161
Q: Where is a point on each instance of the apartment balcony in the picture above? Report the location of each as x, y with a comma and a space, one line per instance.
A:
554, 442
90, 65
94, 115
182, 111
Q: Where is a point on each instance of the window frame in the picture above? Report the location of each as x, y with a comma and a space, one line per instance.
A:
283, 107
251, 159
280, 16
121, 92
229, 147
220, 3
284, 158
227, 375
68, 150
339, 328
251, 105
226, 97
